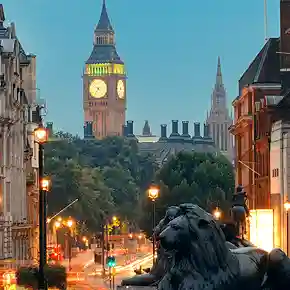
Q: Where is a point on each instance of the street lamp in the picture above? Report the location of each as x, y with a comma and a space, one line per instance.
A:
44, 184
287, 208
40, 137
70, 223
217, 213
153, 194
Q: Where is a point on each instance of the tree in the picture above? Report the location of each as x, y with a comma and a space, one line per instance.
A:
108, 175
201, 178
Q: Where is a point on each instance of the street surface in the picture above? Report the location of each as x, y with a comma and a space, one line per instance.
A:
86, 275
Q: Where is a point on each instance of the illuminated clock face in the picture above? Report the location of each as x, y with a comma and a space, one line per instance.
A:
98, 88
121, 89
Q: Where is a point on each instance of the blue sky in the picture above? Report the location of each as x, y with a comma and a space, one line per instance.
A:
170, 48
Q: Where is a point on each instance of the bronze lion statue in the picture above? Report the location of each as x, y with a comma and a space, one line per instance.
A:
202, 258
163, 262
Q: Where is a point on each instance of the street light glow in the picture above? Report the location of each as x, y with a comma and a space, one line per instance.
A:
287, 205
114, 218
153, 193
70, 223
57, 224
40, 135
44, 184
217, 214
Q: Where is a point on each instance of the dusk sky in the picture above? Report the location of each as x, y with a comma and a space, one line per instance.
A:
170, 48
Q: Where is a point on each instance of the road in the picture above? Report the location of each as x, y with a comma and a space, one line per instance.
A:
90, 277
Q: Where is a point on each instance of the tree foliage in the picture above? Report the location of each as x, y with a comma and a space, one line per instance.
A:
200, 178
108, 176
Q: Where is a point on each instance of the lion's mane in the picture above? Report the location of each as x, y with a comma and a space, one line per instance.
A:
207, 263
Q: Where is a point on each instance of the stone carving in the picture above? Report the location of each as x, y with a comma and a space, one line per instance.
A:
194, 254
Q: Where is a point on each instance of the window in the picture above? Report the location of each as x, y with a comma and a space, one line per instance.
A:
8, 196
275, 172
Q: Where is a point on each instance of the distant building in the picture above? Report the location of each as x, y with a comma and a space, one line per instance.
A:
166, 146
104, 83
219, 119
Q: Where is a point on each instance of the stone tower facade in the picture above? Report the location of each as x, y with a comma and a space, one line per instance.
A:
104, 84
219, 119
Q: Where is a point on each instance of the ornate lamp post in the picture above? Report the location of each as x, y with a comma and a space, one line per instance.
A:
40, 137
153, 194
287, 208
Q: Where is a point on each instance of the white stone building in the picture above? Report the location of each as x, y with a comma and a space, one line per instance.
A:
280, 182
17, 100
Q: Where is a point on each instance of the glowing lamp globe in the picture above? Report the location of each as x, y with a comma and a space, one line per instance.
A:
40, 135
44, 184
69, 223
57, 224
153, 193
217, 214
287, 206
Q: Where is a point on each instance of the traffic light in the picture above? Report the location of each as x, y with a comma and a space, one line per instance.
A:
111, 261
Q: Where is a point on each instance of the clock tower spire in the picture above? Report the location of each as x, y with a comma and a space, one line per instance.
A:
104, 83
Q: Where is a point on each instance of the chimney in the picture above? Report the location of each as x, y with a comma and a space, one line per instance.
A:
206, 131
124, 130
85, 131
49, 128
163, 132
130, 129
174, 132
185, 133
196, 129
285, 44
2, 15
88, 130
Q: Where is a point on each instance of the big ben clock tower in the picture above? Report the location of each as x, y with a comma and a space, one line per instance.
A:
104, 83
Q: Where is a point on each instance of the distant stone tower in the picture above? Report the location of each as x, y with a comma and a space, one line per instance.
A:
219, 119
104, 84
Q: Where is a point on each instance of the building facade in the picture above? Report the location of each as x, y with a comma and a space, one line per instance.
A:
104, 83
219, 119
16, 102
262, 129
